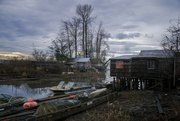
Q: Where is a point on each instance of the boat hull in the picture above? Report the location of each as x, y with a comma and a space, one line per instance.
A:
70, 90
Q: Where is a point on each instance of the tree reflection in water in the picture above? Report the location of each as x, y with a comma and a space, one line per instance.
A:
25, 91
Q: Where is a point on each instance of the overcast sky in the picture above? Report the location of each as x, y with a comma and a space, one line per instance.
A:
134, 25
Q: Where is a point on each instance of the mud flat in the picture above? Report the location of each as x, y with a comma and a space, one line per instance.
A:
135, 106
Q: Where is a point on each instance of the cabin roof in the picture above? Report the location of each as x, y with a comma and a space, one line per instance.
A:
146, 54
156, 53
123, 57
82, 60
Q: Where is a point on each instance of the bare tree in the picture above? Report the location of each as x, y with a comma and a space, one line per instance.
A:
66, 26
59, 47
101, 43
79, 32
90, 47
74, 29
39, 55
170, 40
84, 12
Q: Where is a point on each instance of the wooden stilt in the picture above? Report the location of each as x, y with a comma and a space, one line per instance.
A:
131, 84
119, 84
145, 84
113, 84
169, 84
161, 85
140, 83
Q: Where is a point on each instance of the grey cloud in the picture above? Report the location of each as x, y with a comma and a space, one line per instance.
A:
127, 27
128, 36
31, 21
133, 35
149, 35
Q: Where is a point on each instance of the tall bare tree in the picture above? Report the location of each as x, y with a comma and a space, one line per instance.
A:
74, 30
66, 26
84, 13
79, 31
101, 44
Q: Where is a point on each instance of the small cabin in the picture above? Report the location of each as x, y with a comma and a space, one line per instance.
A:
83, 64
70, 64
150, 65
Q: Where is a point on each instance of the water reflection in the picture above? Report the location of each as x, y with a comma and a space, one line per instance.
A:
40, 89
25, 91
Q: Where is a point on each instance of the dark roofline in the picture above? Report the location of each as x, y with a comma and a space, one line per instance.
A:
147, 54
124, 57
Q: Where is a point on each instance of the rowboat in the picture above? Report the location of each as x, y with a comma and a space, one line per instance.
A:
71, 87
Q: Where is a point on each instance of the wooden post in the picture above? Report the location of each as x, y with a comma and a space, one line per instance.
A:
119, 84
145, 84
136, 84
161, 85
169, 84
140, 83
113, 84
130, 84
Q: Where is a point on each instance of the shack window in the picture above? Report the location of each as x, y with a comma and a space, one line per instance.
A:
150, 64
119, 64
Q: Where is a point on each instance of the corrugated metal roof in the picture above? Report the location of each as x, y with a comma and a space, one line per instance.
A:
147, 53
82, 60
156, 53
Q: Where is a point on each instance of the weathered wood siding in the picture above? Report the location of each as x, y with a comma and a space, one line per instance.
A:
125, 71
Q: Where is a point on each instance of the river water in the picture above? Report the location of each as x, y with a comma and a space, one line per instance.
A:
25, 91
39, 90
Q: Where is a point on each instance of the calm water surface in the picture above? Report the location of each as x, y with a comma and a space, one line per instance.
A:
40, 89
25, 91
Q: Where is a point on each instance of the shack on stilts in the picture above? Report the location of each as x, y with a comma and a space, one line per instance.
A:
150, 69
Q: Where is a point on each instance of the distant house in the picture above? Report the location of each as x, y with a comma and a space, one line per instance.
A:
83, 63
70, 63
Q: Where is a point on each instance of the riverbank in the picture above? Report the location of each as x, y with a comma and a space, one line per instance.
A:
53, 79
135, 106
47, 76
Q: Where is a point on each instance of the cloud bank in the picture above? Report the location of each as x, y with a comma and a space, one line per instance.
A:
134, 25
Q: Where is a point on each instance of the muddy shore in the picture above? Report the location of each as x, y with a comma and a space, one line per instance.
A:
129, 106
135, 106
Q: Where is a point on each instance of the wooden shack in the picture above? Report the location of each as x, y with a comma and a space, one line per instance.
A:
152, 64
121, 66
149, 68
